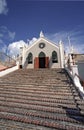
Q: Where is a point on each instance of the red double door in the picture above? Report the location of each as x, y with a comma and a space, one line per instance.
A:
41, 62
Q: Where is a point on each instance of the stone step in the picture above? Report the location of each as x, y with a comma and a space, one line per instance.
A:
38, 95
36, 92
29, 98
60, 108
36, 87
53, 116
42, 99
15, 125
41, 121
31, 102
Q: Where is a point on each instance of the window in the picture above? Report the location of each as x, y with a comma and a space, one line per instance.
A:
41, 54
41, 45
30, 58
54, 57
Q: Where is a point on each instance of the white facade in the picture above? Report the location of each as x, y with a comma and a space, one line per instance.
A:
43, 54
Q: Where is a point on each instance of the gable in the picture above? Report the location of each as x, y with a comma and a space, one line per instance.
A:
47, 43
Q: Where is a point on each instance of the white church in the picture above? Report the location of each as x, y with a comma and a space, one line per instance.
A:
43, 53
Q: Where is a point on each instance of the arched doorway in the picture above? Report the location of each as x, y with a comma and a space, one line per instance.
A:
42, 61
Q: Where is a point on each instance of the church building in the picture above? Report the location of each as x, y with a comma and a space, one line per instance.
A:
43, 53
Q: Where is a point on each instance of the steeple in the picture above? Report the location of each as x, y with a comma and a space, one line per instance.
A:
41, 34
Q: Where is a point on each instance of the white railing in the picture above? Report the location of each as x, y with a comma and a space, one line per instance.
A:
9, 70
72, 70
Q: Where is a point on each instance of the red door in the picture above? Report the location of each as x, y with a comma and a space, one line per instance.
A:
36, 63
47, 62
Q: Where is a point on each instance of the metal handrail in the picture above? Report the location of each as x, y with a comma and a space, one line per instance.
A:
6, 60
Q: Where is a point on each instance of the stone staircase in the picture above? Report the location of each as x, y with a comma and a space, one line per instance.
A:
41, 99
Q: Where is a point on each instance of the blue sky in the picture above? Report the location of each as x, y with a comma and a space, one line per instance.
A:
24, 19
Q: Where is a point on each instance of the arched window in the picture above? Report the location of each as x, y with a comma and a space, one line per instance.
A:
30, 58
54, 57
41, 54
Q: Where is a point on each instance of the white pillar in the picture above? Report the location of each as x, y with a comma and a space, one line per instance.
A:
74, 69
61, 54
23, 56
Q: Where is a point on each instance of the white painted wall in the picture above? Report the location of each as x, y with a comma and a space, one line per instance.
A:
9, 70
48, 49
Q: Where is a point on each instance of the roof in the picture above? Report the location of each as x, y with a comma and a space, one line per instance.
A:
79, 57
42, 38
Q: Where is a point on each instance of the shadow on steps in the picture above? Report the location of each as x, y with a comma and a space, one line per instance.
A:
73, 113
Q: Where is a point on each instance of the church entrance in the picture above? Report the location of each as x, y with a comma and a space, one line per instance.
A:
41, 61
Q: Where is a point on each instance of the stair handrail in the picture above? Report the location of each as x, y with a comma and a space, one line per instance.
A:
72, 70
7, 60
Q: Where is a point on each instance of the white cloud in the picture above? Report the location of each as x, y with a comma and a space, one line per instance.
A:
6, 36
1, 41
4, 48
11, 35
32, 40
79, 48
6, 33
56, 37
3, 7
14, 48
76, 39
